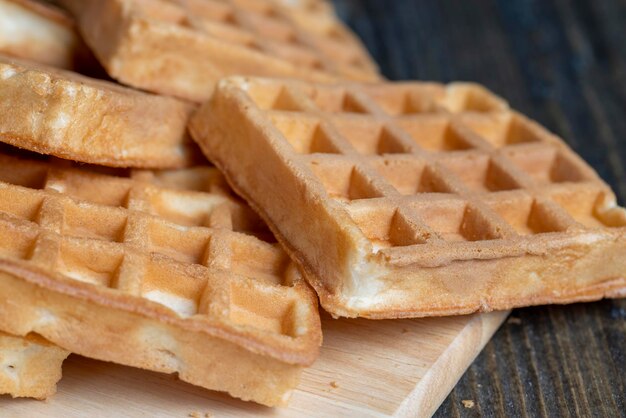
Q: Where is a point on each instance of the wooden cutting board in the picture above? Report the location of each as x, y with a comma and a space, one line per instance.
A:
366, 369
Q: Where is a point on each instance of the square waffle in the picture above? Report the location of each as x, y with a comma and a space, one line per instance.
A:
61, 113
170, 280
416, 199
35, 31
182, 47
29, 366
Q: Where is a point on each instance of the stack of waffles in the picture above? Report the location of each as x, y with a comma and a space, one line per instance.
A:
120, 242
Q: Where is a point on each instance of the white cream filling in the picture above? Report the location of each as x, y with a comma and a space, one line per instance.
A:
192, 206
182, 306
46, 318
61, 121
364, 286
7, 73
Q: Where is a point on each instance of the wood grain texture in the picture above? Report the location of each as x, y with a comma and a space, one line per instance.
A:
563, 63
400, 368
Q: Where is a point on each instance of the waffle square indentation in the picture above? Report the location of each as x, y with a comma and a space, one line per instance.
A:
386, 227
434, 133
547, 165
262, 308
90, 221
404, 99
368, 137
502, 130
409, 176
479, 173
525, 215
305, 135
21, 203
257, 260
343, 181
97, 263
187, 245
335, 100
591, 207
455, 220
177, 289
16, 245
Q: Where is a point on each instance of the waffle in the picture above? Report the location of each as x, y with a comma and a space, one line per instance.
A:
38, 32
416, 199
123, 270
64, 114
29, 366
182, 47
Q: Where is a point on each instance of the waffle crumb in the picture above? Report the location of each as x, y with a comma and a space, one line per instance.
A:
468, 403
514, 320
404, 330
334, 384
197, 414
31, 367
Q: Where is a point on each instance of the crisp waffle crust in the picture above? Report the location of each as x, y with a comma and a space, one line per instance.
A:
29, 366
133, 271
64, 114
416, 199
182, 47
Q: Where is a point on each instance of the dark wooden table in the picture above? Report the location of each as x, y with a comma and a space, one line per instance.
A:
563, 63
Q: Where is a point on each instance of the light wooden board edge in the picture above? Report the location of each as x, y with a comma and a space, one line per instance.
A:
439, 381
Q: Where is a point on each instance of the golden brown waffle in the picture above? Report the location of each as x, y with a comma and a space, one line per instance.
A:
416, 199
64, 114
29, 366
182, 47
175, 281
38, 32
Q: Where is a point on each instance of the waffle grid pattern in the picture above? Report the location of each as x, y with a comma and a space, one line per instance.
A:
418, 164
187, 250
306, 33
